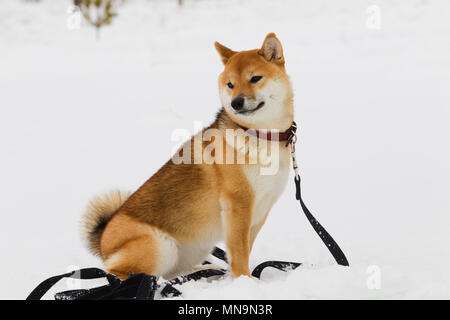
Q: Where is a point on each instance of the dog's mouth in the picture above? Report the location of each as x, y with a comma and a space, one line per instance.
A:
259, 106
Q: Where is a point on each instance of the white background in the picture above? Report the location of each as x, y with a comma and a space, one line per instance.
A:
79, 116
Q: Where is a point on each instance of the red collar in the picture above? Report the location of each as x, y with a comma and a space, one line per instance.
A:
287, 135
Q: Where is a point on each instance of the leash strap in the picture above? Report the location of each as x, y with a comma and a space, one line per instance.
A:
326, 238
138, 286
201, 274
280, 265
87, 273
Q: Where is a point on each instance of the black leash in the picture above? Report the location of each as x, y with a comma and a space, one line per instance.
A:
138, 286
327, 239
87, 273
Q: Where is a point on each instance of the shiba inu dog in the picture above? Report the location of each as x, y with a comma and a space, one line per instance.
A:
173, 221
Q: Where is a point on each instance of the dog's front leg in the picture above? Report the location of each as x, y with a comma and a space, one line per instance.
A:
237, 238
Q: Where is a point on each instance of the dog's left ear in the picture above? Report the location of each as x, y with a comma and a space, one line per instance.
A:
271, 49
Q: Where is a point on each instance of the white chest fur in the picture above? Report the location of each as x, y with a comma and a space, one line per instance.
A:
268, 185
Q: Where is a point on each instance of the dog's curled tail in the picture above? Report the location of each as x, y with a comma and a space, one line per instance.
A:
97, 214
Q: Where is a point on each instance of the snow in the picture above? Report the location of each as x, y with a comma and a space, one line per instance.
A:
79, 116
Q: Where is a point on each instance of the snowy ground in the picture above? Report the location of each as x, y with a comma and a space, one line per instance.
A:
80, 116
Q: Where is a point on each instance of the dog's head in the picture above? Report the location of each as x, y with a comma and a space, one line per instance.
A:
254, 88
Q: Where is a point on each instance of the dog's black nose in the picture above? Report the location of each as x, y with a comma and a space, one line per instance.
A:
237, 103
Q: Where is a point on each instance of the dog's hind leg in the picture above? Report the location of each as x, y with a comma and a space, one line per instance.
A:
138, 248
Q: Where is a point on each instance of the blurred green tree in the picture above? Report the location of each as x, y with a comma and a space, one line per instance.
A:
97, 12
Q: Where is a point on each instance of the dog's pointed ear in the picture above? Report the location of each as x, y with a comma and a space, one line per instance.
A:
224, 52
271, 49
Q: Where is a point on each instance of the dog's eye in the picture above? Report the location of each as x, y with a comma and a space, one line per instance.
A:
255, 79
230, 85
